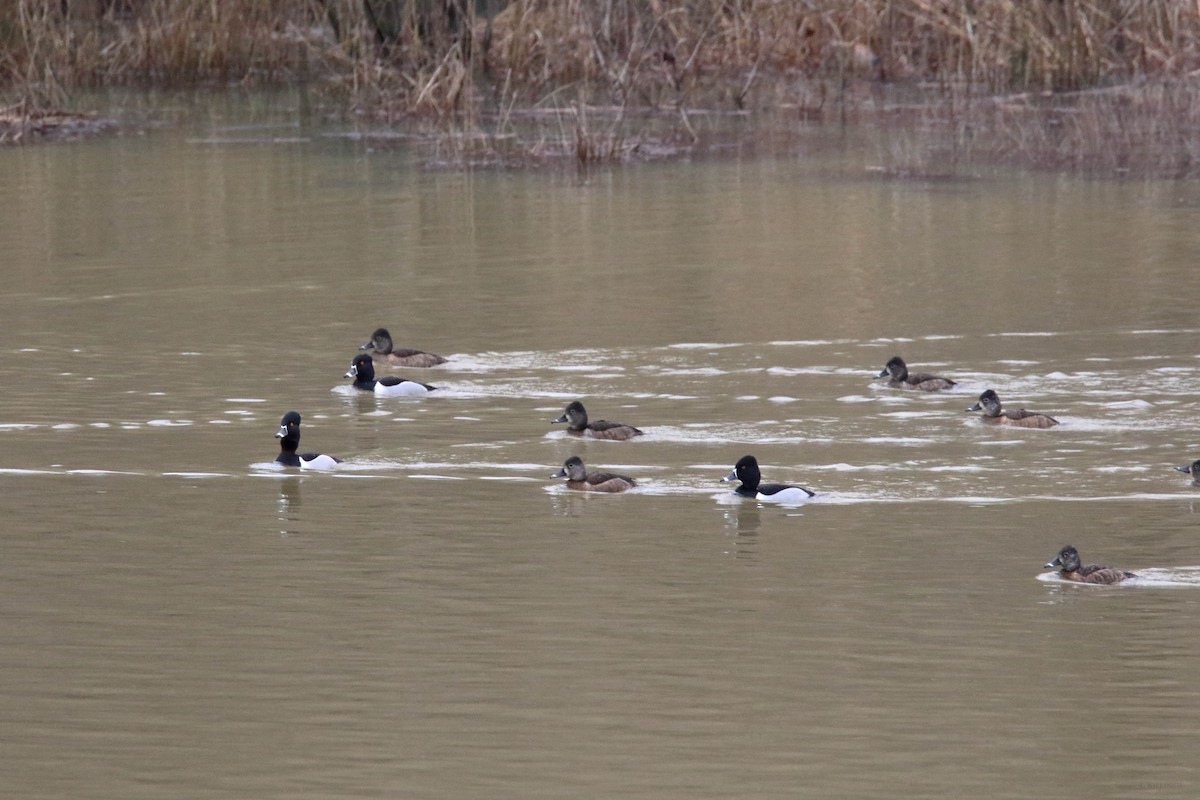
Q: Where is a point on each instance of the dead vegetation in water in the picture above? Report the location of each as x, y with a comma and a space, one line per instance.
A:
508, 80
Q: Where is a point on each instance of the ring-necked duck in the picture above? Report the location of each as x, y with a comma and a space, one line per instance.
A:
989, 404
289, 440
579, 478
577, 424
363, 372
1072, 569
746, 471
1192, 469
897, 371
381, 345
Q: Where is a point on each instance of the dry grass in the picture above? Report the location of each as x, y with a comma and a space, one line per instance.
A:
457, 60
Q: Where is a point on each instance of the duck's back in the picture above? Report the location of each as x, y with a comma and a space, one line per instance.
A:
603, 482
927, 382
1098, 573
1027, 419
406, 357
603, 429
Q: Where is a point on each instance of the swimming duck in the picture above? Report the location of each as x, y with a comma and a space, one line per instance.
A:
289, 440
577, 425
899, 375
746, 471
579, 478
989, 404
1072, 569
381, 344
1192, 469
363, 371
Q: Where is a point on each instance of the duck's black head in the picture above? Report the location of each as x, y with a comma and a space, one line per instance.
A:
575, 416
746, 471
381, 341
989, 404
289, 432
896, 368
1067, 560
572, 469
362, 369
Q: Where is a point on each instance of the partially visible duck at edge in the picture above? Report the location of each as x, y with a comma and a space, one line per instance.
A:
381, 345
1071, 568
899, 376
289, 440
1192, 469
577, 425
746, 471
362, 369
579, 478
989, 404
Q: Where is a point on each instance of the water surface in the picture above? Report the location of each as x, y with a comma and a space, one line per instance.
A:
437, 618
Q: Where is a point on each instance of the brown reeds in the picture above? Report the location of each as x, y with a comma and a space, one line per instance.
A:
458, 58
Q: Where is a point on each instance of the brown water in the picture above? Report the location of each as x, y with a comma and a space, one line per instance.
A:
438, 619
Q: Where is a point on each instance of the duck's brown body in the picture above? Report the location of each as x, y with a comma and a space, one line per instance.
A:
1022, 419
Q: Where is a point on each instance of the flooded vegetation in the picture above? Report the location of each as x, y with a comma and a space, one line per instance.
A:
1088, 86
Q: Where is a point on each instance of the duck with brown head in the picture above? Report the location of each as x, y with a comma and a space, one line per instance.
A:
381, 345
896, 371
576, 418
1071, 568
995, 414
579, 478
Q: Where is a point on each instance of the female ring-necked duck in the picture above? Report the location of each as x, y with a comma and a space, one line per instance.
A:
363, 372
989, 404
579, 478
577, 425
746, 471
381, 345
1072, 569
289, 440
897, 371
1192, 469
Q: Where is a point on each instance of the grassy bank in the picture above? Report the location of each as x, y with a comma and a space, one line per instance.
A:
457, 60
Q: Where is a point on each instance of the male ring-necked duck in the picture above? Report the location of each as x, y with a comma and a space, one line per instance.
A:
381, 345
746, 471
363, 372
579, 478
1192, 469
1072, 569
989, 404
577, 425
897, 372
289, 440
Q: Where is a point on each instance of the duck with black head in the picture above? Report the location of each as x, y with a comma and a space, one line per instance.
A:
576, 418
381, 344
899, 377
1071, 568
746, 470
579, 478
995, 414
362, 369
289, 442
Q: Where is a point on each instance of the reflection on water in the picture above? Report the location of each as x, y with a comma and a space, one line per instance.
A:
436, 617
